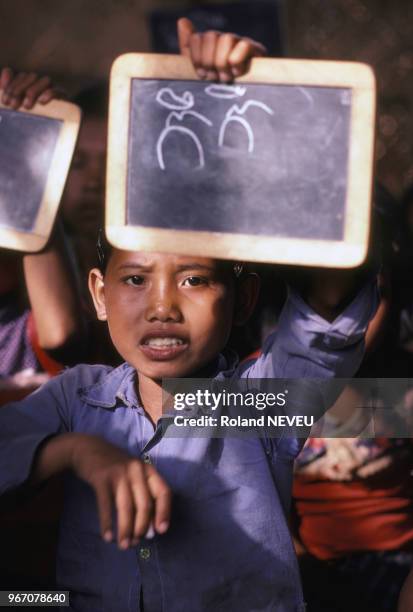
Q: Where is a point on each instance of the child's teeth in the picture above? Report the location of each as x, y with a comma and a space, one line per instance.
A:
161, 342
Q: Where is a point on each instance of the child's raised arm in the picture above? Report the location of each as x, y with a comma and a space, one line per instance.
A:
50, 278
217, 56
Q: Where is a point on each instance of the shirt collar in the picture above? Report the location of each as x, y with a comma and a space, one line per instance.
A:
119, 384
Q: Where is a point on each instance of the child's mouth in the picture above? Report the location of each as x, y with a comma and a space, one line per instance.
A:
163, 348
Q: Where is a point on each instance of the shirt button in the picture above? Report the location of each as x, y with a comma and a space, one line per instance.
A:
145, 553
146, 458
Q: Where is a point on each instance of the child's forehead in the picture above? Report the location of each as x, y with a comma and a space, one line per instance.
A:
141, 259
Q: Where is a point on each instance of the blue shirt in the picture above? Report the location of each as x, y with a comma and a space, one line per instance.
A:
228, 547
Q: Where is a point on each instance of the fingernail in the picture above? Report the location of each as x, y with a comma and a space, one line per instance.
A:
224, 77
163, 527
43, 99
150, 533
26, 102
212, 75
124, 544
201, 73
107, 536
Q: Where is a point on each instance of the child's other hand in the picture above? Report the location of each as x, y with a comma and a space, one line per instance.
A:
343, 456
26, 89
141, 497
217, 56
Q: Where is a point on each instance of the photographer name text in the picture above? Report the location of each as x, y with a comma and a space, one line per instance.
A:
238, 421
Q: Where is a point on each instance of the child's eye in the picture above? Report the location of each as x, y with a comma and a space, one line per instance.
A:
194, 281
135, 280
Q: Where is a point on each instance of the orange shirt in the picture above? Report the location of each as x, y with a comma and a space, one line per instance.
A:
338, 518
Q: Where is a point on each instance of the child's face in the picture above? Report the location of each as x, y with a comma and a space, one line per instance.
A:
83, 198
168, 315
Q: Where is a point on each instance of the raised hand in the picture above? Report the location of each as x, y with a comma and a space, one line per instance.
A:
217, 56
24, 89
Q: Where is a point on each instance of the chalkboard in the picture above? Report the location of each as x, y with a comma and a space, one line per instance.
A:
276, 166
257, 19
35, 152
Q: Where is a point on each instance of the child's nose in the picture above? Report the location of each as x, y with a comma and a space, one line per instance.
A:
163, 306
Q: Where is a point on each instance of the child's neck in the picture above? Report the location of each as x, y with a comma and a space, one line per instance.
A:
150, 395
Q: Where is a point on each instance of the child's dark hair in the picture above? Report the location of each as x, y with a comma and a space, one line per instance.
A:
103, 249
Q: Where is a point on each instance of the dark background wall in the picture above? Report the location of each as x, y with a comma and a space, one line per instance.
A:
379, 32
76, 40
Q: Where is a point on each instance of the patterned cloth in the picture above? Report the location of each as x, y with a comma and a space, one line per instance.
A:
16, 351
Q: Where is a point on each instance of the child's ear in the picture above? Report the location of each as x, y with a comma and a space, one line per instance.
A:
246, 297
97, 291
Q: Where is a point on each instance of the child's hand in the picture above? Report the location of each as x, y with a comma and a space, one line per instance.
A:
217, 56
26, 89
343, 456
141, 497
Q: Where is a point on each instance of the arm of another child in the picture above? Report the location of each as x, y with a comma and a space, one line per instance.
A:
50, 279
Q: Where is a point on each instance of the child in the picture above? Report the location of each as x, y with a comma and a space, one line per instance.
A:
217, 505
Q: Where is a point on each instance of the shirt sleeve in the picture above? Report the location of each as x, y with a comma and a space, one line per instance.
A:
307, 352
24, 425
307, 346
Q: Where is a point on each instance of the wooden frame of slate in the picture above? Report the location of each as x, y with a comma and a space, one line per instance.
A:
327, 162
36, 154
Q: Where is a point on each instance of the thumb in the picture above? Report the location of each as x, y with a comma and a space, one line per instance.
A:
185, 31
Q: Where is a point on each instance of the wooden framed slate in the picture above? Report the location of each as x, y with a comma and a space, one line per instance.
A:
275, 167
36, 148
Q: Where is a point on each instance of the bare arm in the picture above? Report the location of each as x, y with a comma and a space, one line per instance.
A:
53, 292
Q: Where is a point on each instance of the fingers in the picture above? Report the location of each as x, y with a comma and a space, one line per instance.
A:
12, 93
185, 30
374, 466
126, 511
104, 501
195, 47
208, 52
6, 77
33, 93
25, 89
161, 494
141, 499
217, 56
224, 47
242, 53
